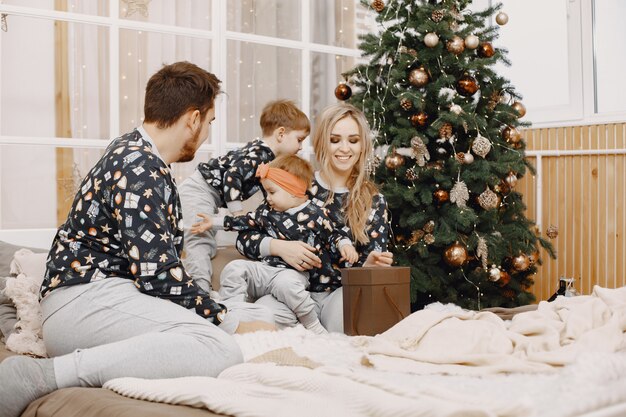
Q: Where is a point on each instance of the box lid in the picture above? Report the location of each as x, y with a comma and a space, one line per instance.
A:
376, 275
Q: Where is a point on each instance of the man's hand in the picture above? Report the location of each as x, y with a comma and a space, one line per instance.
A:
254, 326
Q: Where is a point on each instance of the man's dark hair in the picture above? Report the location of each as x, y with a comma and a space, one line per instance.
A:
176, 89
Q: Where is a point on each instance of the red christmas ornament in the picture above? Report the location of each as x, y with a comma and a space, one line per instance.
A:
420, 120
486, 50
343, 91
441, 196
467, 85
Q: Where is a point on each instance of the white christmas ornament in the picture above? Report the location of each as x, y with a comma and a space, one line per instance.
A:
471, 41
431, 40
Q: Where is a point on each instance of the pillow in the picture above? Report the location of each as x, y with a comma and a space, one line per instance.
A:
23, 291
31, 264
8, 313
7, 251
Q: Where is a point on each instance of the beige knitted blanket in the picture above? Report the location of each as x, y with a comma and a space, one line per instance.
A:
567, 358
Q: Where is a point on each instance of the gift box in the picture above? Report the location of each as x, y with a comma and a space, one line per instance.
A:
374, 299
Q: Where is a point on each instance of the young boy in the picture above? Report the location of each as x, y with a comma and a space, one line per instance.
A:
228, 180
287, 214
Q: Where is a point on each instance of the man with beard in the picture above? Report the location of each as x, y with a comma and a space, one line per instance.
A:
116, 299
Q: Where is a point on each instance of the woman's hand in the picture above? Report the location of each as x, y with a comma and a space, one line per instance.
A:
379, 259
349, 254
202, 226
298, 255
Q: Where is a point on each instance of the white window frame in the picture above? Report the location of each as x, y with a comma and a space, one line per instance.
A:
219, 37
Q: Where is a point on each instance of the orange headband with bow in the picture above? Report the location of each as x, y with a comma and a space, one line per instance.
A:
285, 180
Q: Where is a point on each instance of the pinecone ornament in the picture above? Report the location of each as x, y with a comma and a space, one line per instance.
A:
493, 101
406, 104
445, 131
378, 5
437, 15
411, 174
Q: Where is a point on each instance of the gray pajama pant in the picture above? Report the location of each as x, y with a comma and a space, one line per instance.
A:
108, 329
196, 196
329, 309
243, 280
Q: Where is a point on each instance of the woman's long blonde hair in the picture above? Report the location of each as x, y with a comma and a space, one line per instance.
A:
359, 202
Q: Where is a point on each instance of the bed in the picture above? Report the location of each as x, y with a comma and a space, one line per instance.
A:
566, 358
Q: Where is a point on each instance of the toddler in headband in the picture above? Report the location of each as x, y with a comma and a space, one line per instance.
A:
287, 214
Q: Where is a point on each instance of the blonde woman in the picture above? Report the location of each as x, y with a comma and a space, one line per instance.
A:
342, 145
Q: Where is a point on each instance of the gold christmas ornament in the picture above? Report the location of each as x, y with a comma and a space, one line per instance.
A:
552, 232
468, 158
520, 262
519, 108
431, 40
394, 161
534, 257
488, 200
494, 273
460, 156
486, 50
419, 120
445, 131
481, 146
441, 196
503, 187
429, 227
511, 179
505, 278
502, 18
456, 45
406, 104
471, 41
343, 91
511, 134
455, 255
437, 15
418, 77
378, 5
429, 239
467, 85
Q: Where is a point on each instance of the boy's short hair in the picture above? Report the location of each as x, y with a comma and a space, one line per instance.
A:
177, 88
294, 165
283, 113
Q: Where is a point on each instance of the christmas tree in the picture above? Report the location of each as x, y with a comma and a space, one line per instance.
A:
448, 126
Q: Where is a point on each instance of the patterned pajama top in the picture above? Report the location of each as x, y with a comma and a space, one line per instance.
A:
308, 223
249, 242
234, 175
126, 222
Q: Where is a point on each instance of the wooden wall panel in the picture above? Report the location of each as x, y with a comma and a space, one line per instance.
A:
580, 184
